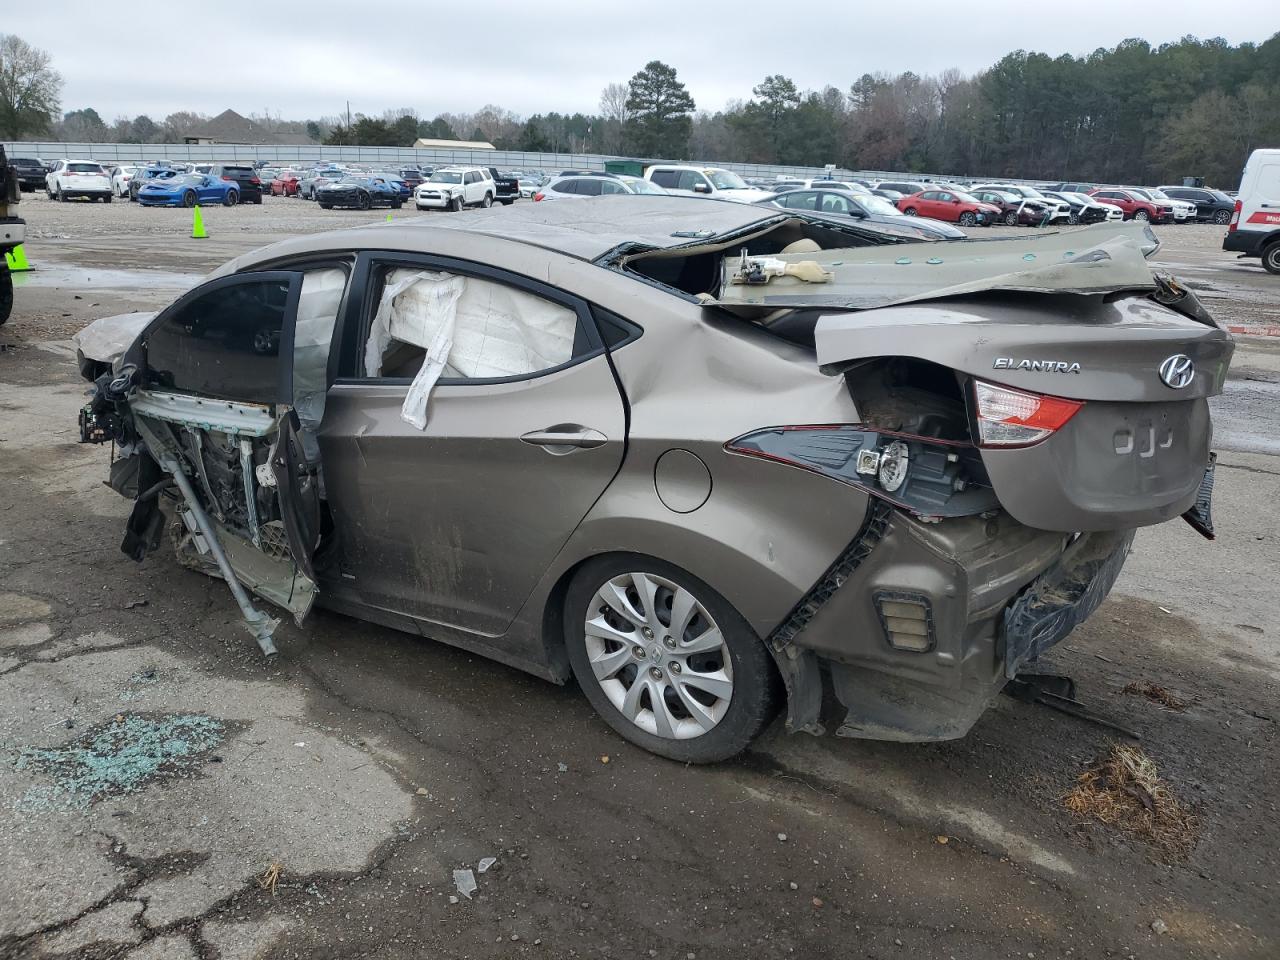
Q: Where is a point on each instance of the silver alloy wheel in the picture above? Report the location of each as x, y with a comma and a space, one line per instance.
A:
658, 656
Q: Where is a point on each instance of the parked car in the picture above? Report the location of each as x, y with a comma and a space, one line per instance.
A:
904, 187
1085, 209
704, 182
1181, 210
68, 179
1136, 206
317, 178
1212, 206
120, 179
146, 174
412, 176
187, 190
452, 188
585, 187
869, 210
1059, 210
1015, 210
528, 187
599, 511
30, 172
893, 196
284, 183
359, 192
506, 187
1254, 230
1072, 187
397, 183
244, 176
853, 186
951, 207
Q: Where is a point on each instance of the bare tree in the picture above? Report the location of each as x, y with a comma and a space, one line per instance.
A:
30, 89
613, 102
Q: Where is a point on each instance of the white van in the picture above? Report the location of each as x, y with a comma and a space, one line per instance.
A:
1254, 230
704, 182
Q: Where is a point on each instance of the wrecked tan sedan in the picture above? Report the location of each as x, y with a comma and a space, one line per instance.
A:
695, 455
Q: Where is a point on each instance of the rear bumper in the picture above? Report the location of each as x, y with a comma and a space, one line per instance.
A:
995, 594
13, 231
1248, 242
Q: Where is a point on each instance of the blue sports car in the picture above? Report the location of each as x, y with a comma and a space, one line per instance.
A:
188, 189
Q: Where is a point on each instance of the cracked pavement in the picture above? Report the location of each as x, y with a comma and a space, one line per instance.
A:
369, 764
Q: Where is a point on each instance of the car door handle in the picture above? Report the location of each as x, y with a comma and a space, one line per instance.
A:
565, 438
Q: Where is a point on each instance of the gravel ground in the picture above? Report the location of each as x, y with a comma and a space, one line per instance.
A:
318, 806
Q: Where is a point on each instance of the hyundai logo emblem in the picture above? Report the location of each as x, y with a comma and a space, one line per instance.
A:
1177, 371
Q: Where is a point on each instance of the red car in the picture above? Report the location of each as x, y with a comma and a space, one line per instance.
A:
1134, 206
285, 184
951, 206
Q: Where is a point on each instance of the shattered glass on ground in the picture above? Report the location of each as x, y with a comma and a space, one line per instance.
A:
122, 755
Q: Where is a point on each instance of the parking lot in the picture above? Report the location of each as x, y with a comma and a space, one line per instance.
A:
317, 806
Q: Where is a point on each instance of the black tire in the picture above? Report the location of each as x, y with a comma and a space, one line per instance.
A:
507, 203
107, 199
757, 692
1271, 257
364, 202
1222, 217
1011, 218
6, 292
397, 204
189, 199
487, 202
968, 219
1142, 215
1073, 218
325, 206
258, 200
455, 204
231, 199
62, 197
911, 211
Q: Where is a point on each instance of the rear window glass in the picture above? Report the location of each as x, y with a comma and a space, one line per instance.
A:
83, 168
223, 343
239, 171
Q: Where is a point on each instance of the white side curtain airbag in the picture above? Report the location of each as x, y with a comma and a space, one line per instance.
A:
470, 328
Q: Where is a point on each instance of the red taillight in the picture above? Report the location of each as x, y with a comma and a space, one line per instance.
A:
225, 177
253, 180
1235, 217
539, 196
1017, 418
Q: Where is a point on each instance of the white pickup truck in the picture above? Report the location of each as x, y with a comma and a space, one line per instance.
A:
452, 188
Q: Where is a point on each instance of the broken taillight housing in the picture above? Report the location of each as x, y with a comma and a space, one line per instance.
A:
1234, 225
1017, 418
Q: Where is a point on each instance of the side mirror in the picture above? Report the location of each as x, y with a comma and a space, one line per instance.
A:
955, 199
702, 188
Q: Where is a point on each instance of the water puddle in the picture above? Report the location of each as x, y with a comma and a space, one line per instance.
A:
90, 278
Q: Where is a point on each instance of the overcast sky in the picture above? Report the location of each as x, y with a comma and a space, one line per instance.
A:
306, 59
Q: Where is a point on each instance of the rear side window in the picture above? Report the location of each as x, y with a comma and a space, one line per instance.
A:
589, 187
565, 186
224, 342
665, 178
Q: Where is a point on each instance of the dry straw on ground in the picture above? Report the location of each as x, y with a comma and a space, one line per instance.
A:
1156, 694
1125, 792
271, 877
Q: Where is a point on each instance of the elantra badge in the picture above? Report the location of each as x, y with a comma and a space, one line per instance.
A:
1043, 366
1177, 371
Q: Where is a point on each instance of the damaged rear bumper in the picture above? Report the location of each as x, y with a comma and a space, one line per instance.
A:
919, 642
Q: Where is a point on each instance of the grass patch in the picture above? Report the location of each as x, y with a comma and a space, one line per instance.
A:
1156, 694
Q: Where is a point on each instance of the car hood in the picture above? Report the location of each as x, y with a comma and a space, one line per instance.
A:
747, 195
107, 338
913, 227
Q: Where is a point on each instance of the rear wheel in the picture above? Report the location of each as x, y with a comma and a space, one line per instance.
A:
6, 293
231, 199
397, 204
968, 219
487, 202
1142, 215
62, 197
325, 206
1222, 217
666, 661
507, 203
107, 198
189, 199
1271, 257
910, 211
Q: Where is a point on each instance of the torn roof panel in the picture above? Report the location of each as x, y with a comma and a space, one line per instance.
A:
1091, 260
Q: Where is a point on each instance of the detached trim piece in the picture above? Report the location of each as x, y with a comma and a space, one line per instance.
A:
872, 531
